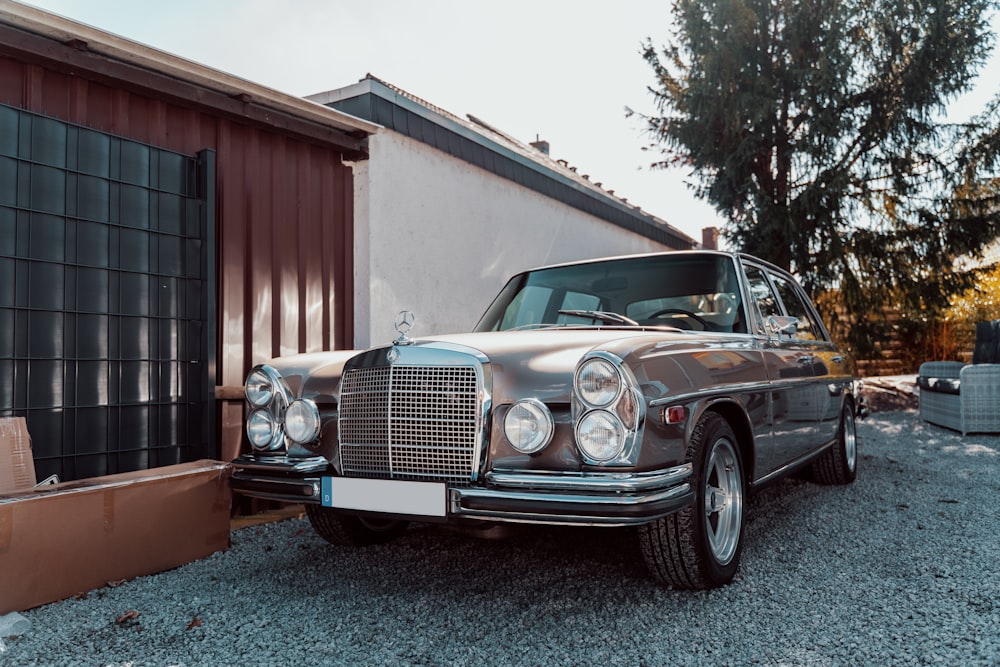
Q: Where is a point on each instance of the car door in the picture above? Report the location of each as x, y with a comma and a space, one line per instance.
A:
817, 404
790, 362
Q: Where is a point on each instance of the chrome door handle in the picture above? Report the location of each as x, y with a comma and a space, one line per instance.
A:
839, 359
805, 359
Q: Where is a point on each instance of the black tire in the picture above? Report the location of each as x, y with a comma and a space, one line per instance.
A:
354, 531
700, 547
839, 464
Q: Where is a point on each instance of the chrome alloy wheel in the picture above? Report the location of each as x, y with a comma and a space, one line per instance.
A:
723, 501
699, 547
850, 436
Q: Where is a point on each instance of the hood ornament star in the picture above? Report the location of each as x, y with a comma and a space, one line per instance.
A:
404, 322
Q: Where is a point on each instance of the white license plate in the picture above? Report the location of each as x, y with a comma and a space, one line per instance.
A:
385, 495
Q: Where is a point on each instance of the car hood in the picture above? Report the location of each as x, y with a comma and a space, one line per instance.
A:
536, 362
541, 362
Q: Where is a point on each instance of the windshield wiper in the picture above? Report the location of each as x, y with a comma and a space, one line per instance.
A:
601, 315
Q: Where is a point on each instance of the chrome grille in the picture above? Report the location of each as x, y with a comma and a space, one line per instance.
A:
410, 422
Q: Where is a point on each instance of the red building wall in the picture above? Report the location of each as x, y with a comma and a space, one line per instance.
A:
283, 211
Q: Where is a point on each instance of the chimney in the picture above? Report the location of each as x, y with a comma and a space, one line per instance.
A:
540, 145
710, 238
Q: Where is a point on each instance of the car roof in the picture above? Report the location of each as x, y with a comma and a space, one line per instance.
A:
669, 253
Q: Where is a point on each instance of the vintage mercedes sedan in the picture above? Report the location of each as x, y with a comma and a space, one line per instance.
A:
655, 391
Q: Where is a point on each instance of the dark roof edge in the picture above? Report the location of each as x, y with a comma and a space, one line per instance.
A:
422, 121
37, 36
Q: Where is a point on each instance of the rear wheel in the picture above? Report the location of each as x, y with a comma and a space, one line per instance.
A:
347, 530
839, 464
700, 546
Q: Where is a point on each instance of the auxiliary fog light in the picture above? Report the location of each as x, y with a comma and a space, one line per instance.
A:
302, 421
600, 435
528, 426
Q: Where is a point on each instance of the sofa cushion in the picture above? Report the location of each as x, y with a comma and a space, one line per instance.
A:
942, 385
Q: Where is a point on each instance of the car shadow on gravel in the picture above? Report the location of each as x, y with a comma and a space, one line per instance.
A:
797, 530
432, 559
547, 561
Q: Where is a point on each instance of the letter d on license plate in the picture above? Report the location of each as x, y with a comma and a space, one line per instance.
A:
385, 495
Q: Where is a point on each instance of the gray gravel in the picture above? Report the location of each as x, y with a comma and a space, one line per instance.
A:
901, 568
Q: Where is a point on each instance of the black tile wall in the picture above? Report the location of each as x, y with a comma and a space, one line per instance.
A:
101, 299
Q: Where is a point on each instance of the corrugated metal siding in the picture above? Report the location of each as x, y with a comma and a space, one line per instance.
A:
283, 211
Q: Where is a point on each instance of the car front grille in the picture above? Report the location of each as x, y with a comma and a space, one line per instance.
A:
410, 422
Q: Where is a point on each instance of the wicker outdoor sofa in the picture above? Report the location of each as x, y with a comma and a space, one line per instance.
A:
965, 397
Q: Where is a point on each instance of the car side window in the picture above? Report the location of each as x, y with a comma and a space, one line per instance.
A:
762, 293
796, 307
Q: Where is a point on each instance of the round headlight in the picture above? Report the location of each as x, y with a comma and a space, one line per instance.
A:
260, 429
528, 426
259, 388
600, 435
302, 421
598, 382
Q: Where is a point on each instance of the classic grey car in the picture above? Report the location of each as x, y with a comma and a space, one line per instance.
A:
653, 391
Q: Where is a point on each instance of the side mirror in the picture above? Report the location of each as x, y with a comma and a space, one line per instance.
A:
779, 325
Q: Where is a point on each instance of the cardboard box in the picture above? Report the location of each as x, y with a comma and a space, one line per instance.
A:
17, 468
61, 540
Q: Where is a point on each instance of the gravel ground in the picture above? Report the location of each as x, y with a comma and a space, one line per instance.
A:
899, 568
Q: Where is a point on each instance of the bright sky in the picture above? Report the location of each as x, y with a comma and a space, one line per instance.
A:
559, 70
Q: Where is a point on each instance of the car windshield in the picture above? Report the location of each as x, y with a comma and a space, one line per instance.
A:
687, 291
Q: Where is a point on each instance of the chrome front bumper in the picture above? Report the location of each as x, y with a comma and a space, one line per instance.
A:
585, 498
290, 480
588, 498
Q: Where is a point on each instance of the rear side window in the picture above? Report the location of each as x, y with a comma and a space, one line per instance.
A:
796, 307
762, 292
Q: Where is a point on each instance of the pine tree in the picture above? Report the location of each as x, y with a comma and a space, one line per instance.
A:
816, 128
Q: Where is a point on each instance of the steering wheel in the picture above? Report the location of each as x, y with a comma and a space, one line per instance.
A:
723, 302
680, 311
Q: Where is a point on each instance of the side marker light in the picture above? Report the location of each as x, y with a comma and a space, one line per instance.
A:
675, 415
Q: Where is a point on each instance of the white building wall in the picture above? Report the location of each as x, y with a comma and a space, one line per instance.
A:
439, 237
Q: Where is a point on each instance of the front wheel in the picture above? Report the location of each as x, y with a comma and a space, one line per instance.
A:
355, 531
839, 464
700, 546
